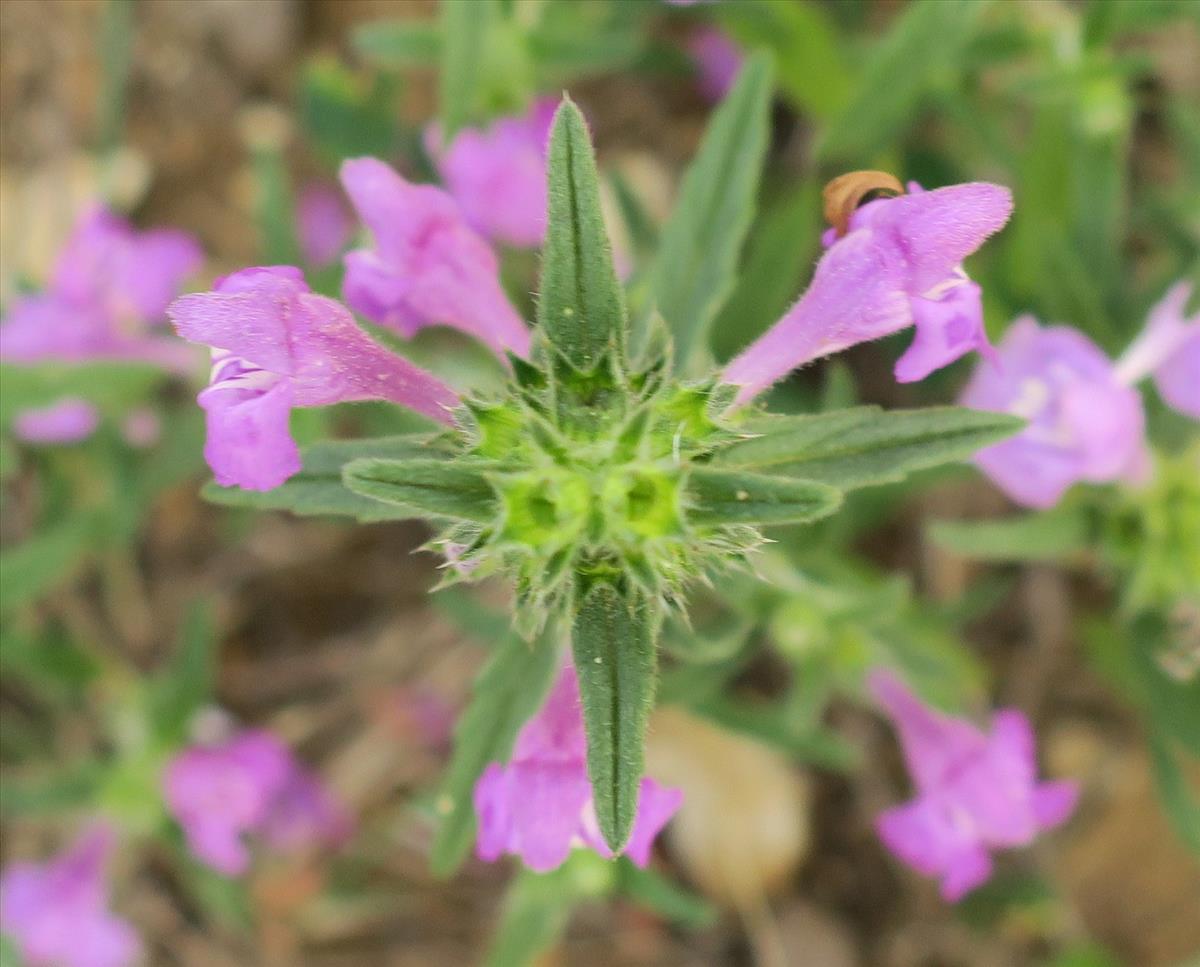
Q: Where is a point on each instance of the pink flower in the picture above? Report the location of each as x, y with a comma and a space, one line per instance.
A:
249, 784
975, 793
428, 267
323, 224
1169, 347
57, 912
497, 174
539, 806
1085, 424
110, 286
898, 265
68, 420
718, 60
276, 346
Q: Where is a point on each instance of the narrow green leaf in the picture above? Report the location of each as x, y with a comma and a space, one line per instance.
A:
922, 50
108, 385
399, 43
1178, 794
741, 497
865, 446
1048, 536
781, 248
538, 906
507, 692
52, 556
655, 892
697, 260
613, 640
464, 29
804, 39
318, 489
581, 308
72, 786
427, 488
186, 682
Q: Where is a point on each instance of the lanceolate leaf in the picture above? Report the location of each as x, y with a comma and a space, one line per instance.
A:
1046, 536
581, 308
463, 40
697, 261
318, 489
740, 497
613, 643
399, 43
426, 488
866, 446
507, 692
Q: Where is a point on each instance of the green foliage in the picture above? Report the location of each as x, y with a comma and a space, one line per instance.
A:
39, 563
719, 497
317, 490
186, 682
890, 89
1047, 536
111, 387
813, 72
507, 692
538, 906
613, 640
697, 259
464, 36
864, 447
581, 308
346, 115
454, 489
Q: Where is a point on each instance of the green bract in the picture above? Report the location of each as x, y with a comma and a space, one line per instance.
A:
601, 481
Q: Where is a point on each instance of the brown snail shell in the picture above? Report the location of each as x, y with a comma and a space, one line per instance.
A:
845, 193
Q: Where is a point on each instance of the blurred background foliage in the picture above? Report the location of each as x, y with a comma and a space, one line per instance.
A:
126, 604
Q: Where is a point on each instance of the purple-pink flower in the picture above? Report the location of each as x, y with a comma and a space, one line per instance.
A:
250, 784
1168, 348
68, 420
110, 285
718, 60
277, 345
497, 174
975, 793
323, 225
1085, 423
539, 806
899, 264
428, 266
57, 912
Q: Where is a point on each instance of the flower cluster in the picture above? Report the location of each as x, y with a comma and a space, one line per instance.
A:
248, 784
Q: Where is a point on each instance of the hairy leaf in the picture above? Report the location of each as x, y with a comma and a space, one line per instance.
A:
865, 446
613, 643
426, 488
581, 307
740, 497
317, 490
